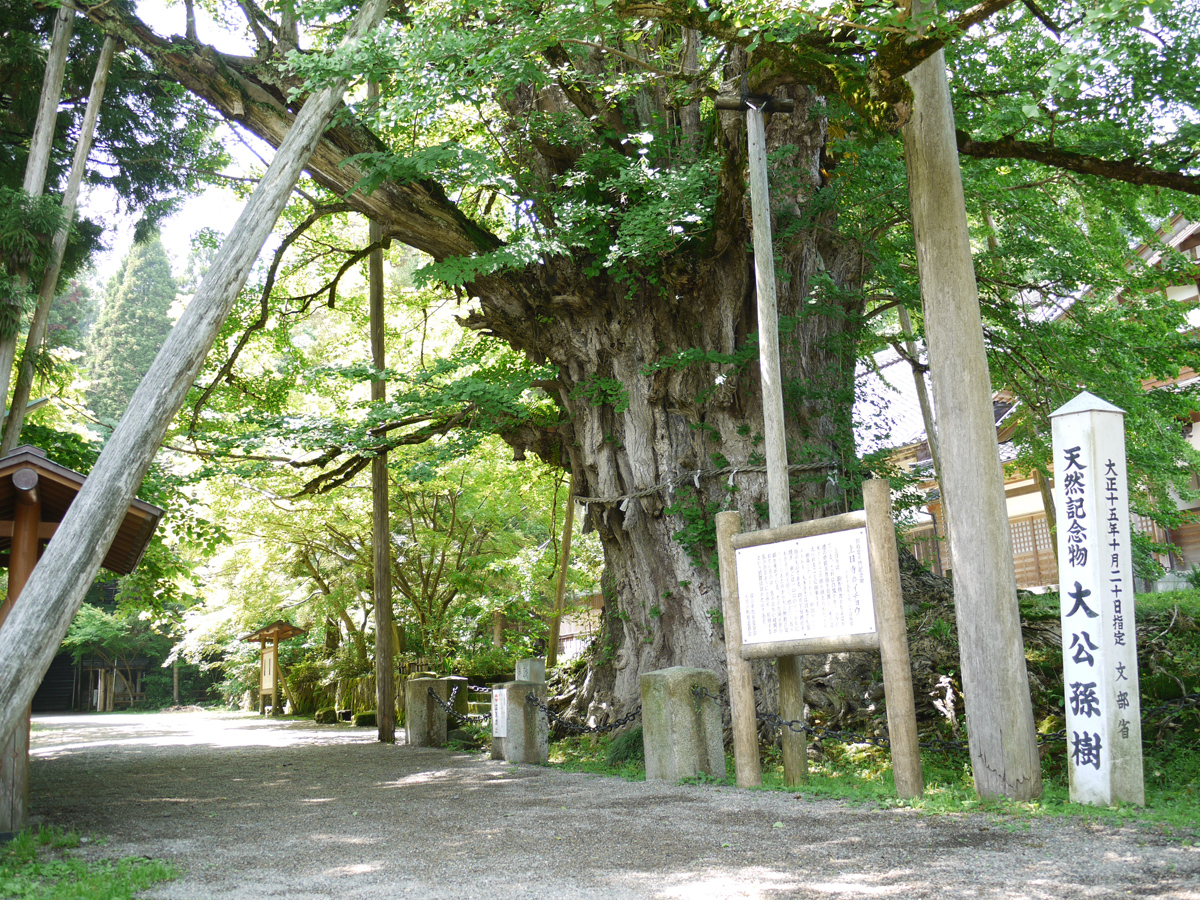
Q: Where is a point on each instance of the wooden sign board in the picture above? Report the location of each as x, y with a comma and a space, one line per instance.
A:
267, 680
826, 586
806, 588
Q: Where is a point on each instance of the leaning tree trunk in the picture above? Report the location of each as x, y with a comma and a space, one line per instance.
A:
34, 628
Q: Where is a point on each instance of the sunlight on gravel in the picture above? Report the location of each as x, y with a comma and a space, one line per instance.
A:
59, 734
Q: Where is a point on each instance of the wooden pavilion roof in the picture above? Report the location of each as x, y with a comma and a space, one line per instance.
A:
58, 486
279, 628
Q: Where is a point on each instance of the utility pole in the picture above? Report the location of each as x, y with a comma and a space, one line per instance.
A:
381, 530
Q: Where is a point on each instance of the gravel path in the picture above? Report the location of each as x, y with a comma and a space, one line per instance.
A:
249, 808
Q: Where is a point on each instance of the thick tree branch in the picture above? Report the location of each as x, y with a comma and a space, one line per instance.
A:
417, 213
354, 464
1123, 170
900, 55
605, 117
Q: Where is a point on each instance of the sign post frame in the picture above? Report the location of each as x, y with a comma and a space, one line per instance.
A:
890, 636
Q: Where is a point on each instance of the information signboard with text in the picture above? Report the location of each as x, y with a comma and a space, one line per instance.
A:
806, 587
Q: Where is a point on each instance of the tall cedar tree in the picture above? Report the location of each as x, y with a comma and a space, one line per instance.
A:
132, 327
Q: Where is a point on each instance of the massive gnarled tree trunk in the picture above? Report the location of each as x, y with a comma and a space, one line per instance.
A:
655, 450
637, 452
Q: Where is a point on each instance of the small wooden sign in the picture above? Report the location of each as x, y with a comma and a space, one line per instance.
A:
267, 682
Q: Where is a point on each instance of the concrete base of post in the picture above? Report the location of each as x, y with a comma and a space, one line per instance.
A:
424, 719
681, 732
524, 736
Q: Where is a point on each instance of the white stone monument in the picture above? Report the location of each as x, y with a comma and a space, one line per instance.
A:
1095, 573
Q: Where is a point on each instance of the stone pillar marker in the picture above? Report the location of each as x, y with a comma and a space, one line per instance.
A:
1095, 572
530, 670
681, 733
424, 718
520, 729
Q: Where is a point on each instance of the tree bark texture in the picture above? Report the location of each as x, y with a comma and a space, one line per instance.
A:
1003, 738
41, 316
30, 636
635, 466
641, 462
39, 160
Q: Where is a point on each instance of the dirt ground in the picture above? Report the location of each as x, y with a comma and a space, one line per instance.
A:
250, 808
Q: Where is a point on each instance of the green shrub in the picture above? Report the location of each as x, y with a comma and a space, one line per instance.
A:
326, 716
364, 719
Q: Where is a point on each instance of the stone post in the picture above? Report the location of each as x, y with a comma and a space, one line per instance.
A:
681, 732
530, 670
1095, 574
425, 720
520, 730
462, 698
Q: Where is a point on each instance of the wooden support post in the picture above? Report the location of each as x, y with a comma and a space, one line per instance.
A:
41, 316
14, 746
40, 144
1000, 725
893, 638
32, 633
791, 685
742, 711
381, 531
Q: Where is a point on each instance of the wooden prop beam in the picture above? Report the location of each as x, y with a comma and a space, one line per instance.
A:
14, 746
31, 635
1000, 725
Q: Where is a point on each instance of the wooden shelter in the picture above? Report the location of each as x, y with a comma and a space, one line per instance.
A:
34, 496
270, 675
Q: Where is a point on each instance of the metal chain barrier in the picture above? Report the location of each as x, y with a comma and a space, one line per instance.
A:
1188, 701
578, 728
454, 714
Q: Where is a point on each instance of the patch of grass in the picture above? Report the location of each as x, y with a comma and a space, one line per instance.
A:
627, 747
1169, 667
1187, 602
863, 774
37, 865
589, 753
